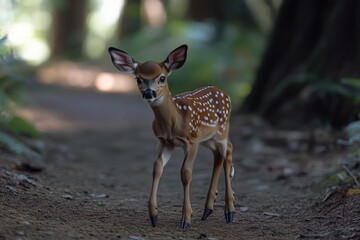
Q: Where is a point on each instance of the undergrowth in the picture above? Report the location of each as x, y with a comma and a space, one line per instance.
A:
13, 128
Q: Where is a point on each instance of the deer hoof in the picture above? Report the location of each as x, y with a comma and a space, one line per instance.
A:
153, 220
184, 224
207, 213
229, 216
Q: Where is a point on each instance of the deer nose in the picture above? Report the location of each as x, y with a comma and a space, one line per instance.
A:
149, 94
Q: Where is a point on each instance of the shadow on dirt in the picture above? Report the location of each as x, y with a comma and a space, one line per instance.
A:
98, 157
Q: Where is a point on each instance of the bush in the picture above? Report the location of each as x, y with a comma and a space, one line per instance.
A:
12, 126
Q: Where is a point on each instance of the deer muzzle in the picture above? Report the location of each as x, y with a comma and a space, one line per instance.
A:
149, 94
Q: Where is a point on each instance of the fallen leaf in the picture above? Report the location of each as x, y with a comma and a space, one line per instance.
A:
353, 191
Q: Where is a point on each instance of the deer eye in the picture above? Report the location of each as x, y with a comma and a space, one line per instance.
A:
138, 80
162, 79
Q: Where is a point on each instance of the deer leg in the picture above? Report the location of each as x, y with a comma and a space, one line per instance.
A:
165, 153
212, 193
186, 177
229, 171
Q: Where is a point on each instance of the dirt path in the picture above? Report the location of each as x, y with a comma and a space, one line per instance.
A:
99, 154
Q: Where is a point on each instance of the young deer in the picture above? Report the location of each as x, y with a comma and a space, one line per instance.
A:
185, 120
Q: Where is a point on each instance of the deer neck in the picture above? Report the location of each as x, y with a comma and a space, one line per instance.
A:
167, 115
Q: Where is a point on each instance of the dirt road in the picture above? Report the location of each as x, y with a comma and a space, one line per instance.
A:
99, 153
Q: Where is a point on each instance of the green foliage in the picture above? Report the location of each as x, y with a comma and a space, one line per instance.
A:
3, 49
15, 146
344, 176
19, 125
331, 180
355, 84
10, 91
329, 101
311, 85
227, 61
350, 165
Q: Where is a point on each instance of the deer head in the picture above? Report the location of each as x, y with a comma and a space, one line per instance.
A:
151, 76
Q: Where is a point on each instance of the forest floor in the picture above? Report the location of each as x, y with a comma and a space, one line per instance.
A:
98, 155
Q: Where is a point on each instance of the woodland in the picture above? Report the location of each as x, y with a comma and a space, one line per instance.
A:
76, 140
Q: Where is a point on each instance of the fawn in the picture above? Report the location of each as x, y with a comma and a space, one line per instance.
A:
185, 120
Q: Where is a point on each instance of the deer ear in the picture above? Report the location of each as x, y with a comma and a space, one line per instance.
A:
122, 61
176, 58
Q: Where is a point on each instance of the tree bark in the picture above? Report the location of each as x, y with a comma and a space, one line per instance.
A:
312, 42
130, 21
68, 28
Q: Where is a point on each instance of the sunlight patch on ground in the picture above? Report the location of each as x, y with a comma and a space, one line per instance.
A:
47, 121
67, 73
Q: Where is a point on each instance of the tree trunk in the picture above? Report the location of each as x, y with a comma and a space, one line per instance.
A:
313, 46
201, 10
68, 28
130, 21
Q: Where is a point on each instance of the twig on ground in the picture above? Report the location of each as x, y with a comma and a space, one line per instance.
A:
351, 174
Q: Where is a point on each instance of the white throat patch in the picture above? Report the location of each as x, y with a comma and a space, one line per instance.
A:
157, 102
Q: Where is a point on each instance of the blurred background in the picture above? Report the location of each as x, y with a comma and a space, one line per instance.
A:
291, 67
294, 63
60, 37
